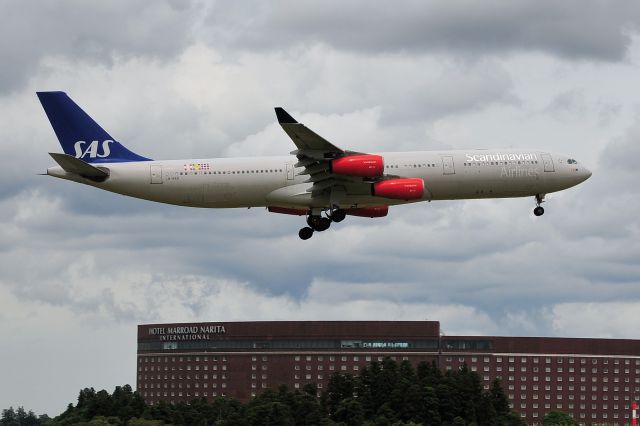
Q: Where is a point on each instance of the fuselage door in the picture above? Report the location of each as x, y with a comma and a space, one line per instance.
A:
548, 162
290, 174
447, 165
156, 173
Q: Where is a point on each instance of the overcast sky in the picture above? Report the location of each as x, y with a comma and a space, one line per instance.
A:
80, 268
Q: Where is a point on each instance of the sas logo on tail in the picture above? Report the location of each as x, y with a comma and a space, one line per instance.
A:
92, 149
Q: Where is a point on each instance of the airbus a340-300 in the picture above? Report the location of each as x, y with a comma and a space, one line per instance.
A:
318, 180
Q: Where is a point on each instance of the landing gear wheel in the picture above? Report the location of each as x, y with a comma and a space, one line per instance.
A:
318, 223
538, 211
305, 233
338, 215
323, 224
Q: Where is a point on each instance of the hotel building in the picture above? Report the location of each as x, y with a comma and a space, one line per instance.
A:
595, 380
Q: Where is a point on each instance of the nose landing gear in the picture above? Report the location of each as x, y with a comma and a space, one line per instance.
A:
539, 210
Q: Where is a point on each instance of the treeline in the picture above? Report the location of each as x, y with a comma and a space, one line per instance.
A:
21, 417
385, 393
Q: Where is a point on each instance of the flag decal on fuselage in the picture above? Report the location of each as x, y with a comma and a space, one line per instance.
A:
197, 166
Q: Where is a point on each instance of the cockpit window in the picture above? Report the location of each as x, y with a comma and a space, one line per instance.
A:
572, 161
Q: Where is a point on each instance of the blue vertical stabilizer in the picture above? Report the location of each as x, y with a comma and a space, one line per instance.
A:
79, 135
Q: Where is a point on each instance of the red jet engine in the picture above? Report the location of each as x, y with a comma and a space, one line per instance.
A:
358, 165
399, 189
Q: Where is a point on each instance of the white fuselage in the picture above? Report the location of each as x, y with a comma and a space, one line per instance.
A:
273, 181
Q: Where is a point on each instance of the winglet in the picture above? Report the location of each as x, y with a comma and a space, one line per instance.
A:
284, 117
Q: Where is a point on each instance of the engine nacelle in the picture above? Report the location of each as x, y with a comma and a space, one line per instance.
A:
375, 211
359, 165
399, 189
288, 210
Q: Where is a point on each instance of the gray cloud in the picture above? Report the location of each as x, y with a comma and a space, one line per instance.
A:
574, 29
97, 32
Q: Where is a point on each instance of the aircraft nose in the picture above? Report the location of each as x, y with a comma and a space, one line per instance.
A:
584, 174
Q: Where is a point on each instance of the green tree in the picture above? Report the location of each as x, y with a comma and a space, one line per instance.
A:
144, 422
349, 412
458, 421
21, 417
385, 393
499, 399
485, 412
9, 417
340, 387
557, 418
270, 413
306, 408
429, 413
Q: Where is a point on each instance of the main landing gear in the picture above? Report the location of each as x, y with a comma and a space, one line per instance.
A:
319, 223
539, 210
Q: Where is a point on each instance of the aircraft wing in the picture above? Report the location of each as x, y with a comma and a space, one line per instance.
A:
308, 142
316, 154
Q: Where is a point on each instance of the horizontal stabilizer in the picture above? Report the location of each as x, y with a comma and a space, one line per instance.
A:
71, 164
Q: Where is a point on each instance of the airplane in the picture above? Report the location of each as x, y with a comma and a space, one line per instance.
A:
317, 180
